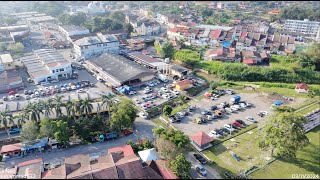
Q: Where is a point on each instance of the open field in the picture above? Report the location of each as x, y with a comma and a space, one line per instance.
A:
309, 108
307, 162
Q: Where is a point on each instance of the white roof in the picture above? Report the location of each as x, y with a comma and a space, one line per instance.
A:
5, 58
212, 27
149, 154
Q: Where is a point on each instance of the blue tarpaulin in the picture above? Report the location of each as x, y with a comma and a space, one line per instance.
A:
278, 103
41, 143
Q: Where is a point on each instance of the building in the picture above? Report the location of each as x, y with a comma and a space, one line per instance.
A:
71, 30
201, 141
46, 64
308, 28
95, 9
145, 60
117, 70
11, 150
142, 25
6, 62
161, 167
88, 47
177, 70
302, 88
13, 34
184, 84
9, 78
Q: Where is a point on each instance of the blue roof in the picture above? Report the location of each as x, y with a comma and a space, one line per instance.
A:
43, 142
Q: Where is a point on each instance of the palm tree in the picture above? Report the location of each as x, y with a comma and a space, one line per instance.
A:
47, 107
85, 106
33, 110
71, 108
57, 104
21, 119
6, 118
106, 99
182, 99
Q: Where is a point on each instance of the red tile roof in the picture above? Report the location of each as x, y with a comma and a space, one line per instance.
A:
184, 82
30, 162
201, 138
216, 34
248, 61
302, 86
165, 172
11, 148
173, 30
127, 150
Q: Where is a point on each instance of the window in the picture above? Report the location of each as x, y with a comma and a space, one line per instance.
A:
61, 69
52, 71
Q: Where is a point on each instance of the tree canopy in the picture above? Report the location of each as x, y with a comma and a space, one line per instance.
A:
29, 132
181, 166
124, 114
296, 11
16, 48
52, 8
77, 19
61, 132
167, 110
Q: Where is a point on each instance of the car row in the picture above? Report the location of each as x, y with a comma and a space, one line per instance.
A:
228, 129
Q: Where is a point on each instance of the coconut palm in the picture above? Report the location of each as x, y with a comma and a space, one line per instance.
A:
85, 106
182, 99
33, 111
21, 119
6, 119
106, 99
57, 104
46, 107
72, 108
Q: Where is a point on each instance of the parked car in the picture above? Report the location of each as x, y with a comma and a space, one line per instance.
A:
219, 131
17, 96
127, 131
235, 127
175, 92
132, 92
11, 97
205, 112
173, 119
201, 159
198, 120
14, 130
251, 119
80, 91
25, 92
229, 127
5, 98
27, 97
92, 85
143, 115
225, 130
146, 91
213, 133
12, 92
213, 108
63, 89
191, 108
201, 170
241, 122
237, 124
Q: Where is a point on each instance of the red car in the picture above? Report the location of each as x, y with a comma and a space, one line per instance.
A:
127, 131
237, 124
12, 92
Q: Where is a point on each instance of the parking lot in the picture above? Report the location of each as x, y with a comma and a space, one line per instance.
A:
188, 126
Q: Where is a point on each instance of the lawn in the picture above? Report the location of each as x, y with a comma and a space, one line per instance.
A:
309, 109
244, 146
307, 162
159, 122
179, 108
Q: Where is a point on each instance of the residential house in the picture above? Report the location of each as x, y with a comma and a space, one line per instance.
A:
255, 58
161, 167
201, 141
222, 54
302, 88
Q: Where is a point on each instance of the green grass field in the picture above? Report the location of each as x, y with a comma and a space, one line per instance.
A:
307, 162
309, 109
246, 148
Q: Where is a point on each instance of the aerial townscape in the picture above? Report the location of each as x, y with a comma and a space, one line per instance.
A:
159, 89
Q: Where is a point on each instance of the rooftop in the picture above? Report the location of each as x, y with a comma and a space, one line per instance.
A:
97, 39
127, 150
119, 67
201, 138
5, 58
11, 148
70, 28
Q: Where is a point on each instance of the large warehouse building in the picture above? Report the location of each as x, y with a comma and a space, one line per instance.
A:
117, 70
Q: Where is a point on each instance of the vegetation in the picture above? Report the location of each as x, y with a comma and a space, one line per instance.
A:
46, 128
167, 110
9, 20
187, 56
140, 146
284, 134
16, 48
167, 50
311, 57
181, 166
61, 132
296, 11
29, 132
123, 116
52, 8
219, 18
77, 19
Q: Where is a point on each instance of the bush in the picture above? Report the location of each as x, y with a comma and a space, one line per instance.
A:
193, 91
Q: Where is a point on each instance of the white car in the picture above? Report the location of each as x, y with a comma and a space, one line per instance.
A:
143, 115
229, 127
209, 117
146, 91
37, 94
251, 119
214, 134
63, 89
163, 89
243, 105
73, 87
235, 107
11, 97
181, 114
229, 110
137, 101
51, 87
80, 91
165, 96
201, 170
132, 92
175, 92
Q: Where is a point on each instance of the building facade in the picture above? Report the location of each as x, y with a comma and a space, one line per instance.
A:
308, 28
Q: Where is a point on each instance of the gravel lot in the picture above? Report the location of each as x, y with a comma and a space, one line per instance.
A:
189, 127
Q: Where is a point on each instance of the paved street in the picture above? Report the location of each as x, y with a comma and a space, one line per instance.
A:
144, 128
211, 173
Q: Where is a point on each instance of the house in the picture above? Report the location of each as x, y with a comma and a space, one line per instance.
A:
302, 88
184, 84
46, 64
11, 150
222, 54
126, 150
254, 57
177, 70
201, 141
161, 167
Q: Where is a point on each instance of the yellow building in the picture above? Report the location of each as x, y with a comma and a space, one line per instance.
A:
184, 84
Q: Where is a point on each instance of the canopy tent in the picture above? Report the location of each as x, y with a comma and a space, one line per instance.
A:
149, 154
39, 144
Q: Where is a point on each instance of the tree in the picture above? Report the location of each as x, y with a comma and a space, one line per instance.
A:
47, 107
106, 100
128, 28
6, 119
118, 16
61, 132
21, 119
124, 114
167, 50
16, 48
213, 85
311, 57
33, 110
46, 128
281, 109
29, 132
10, 20
86, 107
3, 47
181, 166
57, 105
182, 99
167, 110
284, 134
166, 149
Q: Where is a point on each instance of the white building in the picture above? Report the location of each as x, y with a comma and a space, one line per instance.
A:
6, 62
71, 30
95, 9
309, 28
94, 45
46, 64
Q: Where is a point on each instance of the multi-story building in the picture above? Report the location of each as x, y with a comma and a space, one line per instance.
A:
46, 64
9, 77
6, 62
308, 28
72, 30
87, 47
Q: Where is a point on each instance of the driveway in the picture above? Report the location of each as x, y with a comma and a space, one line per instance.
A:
144, 128
211, 173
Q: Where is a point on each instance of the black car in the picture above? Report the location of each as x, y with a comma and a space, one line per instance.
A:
241, 122
234, 126
213, 108
225, 130
30, 92
219, 132
91, 139
201, 159
203, 120
26, 92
